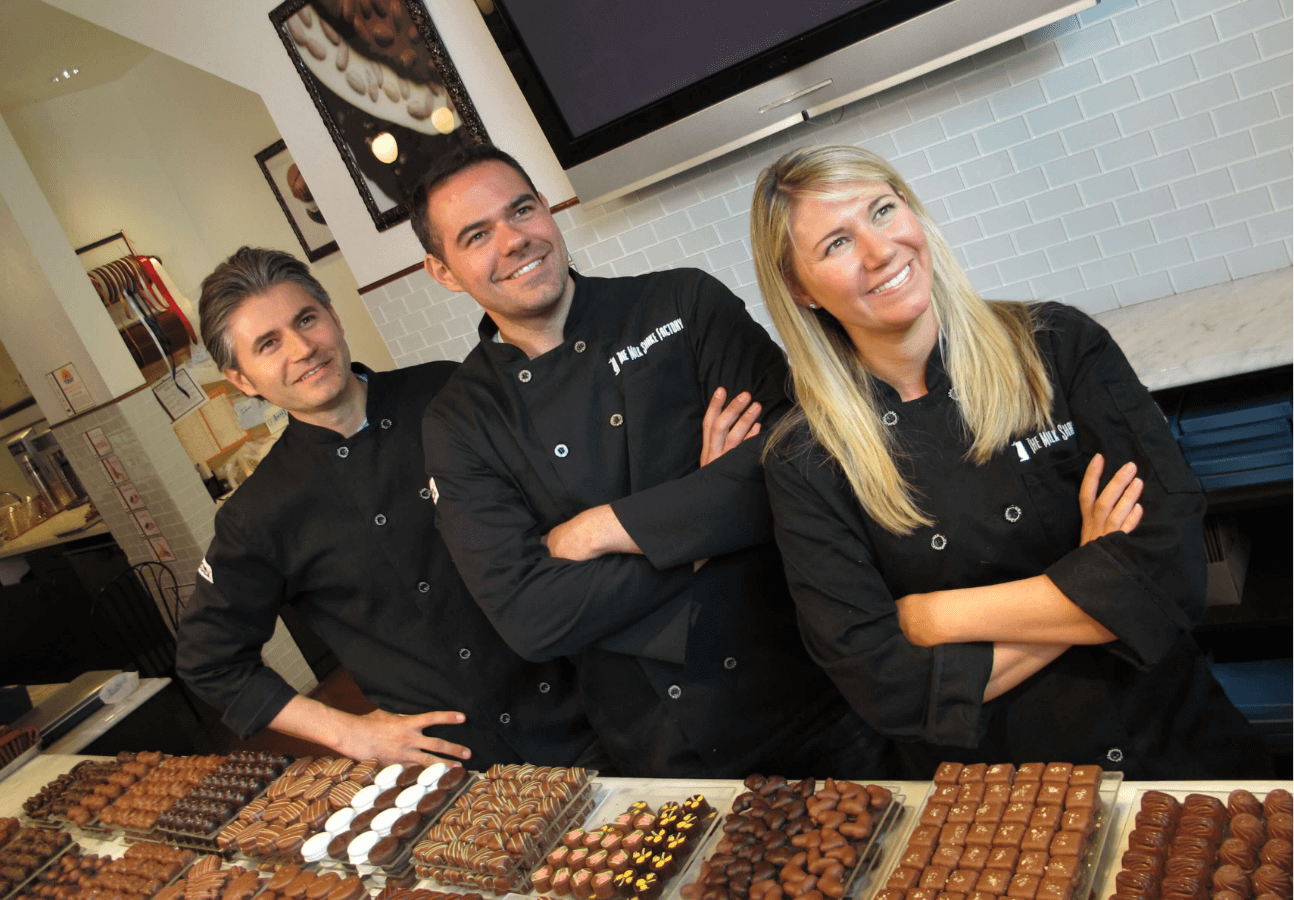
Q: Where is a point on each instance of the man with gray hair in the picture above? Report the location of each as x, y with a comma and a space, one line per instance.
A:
337, 521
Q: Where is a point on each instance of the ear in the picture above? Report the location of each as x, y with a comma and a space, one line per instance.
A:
238, 380
439, 271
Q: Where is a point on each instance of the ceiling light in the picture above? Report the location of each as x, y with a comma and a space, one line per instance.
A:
385, 147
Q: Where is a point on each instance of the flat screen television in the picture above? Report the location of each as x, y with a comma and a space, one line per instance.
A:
629, 93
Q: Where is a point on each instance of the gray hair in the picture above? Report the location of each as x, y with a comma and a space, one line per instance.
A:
249, 272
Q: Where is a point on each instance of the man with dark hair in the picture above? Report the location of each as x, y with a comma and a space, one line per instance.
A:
603, 503
337, 521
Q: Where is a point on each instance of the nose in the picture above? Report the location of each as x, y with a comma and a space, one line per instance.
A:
877, 249
298, 345
513, 238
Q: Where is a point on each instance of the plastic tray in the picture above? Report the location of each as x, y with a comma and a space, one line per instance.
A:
517, 875
611, 802
36, 873
1106, 815
403, 859
1119, 845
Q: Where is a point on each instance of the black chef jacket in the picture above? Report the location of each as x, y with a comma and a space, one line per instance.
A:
681, 674
1145, 704
343, 529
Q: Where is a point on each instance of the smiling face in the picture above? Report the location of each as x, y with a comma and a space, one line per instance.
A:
501, 245
291, 350
863, 258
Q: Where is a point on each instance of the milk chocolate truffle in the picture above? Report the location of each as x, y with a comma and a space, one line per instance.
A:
1160, 800
1231, 878
1243, 801
430, 802
407, 825
320, 887
1279, 825
337, 849
604, 885
1192, 847
1271, 880
1235, 852
1135, 882
1141, 861
1250, 829
409, 776
1206, 827
1276, 852
1203, 805
452, 778
1225, 895
1278, 801
1182, 887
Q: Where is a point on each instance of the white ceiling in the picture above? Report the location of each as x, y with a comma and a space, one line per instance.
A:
38, 41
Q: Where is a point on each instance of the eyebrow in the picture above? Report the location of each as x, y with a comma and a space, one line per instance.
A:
521, 200
260, 339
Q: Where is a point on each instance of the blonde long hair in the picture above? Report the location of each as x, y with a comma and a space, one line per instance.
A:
998, 377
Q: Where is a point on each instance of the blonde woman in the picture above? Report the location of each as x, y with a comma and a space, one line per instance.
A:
954, 565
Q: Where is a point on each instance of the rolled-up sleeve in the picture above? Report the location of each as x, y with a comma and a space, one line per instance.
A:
849, 621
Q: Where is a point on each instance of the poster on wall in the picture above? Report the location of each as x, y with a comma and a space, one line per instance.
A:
296, 201
386, 89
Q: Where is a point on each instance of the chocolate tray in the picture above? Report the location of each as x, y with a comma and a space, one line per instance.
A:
890, 823
205, 842
404, 857
518, 874
1106, 815
39, 869
1119, 845
611, 802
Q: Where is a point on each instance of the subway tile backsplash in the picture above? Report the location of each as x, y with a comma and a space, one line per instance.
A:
1136, 150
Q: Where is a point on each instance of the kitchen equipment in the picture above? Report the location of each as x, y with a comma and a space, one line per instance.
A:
39, 455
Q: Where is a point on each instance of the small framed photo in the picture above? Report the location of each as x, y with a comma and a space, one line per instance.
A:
161, 550
147, 526
385, 87
130, 496
296, 201
116, 471
98, 442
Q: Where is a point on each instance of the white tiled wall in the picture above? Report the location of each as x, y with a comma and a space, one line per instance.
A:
1137, 150
145, 444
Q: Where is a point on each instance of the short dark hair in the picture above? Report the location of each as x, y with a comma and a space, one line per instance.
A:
249, 272
442, 169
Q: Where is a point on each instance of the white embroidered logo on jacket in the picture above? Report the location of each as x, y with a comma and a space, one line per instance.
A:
1062, 432
205, 571
639, 350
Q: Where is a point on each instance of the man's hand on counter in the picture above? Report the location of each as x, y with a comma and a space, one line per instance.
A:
389, 737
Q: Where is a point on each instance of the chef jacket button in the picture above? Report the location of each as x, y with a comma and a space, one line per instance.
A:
562, 451
343, 452
1114, 755
464, 653
423, 587
544, 687
939, 542
425, 493
617, 420
674, 692
524, 376
1013, 513
386, 423
730, 663
890, 418
580, 346
380, 519
504, 719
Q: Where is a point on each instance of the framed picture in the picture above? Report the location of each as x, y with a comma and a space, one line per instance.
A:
296, 201
385, 87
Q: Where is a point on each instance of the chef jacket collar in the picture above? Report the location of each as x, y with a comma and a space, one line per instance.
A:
501, 353
937, 383
317, 434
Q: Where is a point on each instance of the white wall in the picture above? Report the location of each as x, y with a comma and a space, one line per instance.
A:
1137, 150
167, 154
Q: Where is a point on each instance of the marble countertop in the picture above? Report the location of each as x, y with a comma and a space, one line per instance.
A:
1228, 329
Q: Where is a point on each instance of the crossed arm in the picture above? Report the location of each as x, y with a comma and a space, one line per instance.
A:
1030, 621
